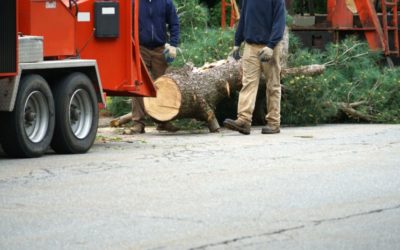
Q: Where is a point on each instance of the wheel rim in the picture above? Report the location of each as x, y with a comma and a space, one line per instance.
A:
80, 113
36, 119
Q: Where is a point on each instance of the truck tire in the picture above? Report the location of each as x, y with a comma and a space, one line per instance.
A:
76, 114
28, 130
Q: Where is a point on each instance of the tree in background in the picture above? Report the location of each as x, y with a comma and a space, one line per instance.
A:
354, 88
202, 39
306, 6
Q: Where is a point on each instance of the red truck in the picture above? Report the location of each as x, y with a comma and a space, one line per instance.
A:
58, 59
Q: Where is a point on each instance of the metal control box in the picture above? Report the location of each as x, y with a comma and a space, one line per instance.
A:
106, 19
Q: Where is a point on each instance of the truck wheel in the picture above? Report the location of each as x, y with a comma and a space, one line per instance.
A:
27, 131
76, 114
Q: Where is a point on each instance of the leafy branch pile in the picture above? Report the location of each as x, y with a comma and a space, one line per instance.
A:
355, 87
202, 39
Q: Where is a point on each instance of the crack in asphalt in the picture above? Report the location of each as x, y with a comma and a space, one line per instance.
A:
44, 174
170, 218
376, 211
226, 242
284, 230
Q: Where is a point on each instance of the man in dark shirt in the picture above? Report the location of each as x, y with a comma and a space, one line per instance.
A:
155, 16
261, 27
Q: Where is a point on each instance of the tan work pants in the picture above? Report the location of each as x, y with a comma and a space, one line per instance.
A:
156, 64
252, 68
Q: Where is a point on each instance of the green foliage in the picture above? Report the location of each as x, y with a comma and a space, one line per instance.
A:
384, 97
353, 75
215, 16
192, 16
192, 125
303, 101
205, 46
118, 105
289, 19
319, 6
199, 44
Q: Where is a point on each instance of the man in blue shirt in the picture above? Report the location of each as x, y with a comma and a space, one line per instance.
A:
156, 17
261, 27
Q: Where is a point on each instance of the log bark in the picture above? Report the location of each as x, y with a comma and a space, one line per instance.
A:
195, 92
350, 111
199, 91
121, 120
314, 69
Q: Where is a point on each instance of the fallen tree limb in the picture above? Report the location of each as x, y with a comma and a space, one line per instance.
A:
194, 92
191, 92
349, 109
356, 104
121, 120
314, 69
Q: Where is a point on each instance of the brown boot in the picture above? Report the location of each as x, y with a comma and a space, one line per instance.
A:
270, 130
238, 125
167, 126
137, 127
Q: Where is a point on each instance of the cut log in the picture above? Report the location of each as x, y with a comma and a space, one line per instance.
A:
165, 109
121, 120
199, 91
195, 92
314, 69
350, 111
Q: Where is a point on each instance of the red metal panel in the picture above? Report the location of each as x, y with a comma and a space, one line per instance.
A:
53, 21
223, 13
390, 8
339, 14
118, 59
69, 33
224, 5
369, 18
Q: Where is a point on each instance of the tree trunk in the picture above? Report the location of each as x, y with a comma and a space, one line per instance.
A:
195, 92
121, 120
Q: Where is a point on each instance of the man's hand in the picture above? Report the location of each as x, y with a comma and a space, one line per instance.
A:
265, 54
169, 53
235, 53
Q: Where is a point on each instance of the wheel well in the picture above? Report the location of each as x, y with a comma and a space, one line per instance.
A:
53, 76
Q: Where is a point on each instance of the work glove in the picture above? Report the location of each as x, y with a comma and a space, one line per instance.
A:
265, 54
169, 53
235, 53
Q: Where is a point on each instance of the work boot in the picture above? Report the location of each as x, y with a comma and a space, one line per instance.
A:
167, 126
238, 125
137, 127
270, 130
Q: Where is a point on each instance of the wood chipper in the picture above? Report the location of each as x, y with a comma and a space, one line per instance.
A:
376, 21
58, 59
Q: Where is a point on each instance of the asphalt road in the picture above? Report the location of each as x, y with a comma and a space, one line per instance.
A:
325, 187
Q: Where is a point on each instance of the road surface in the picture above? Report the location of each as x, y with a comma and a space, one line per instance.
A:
324, 187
